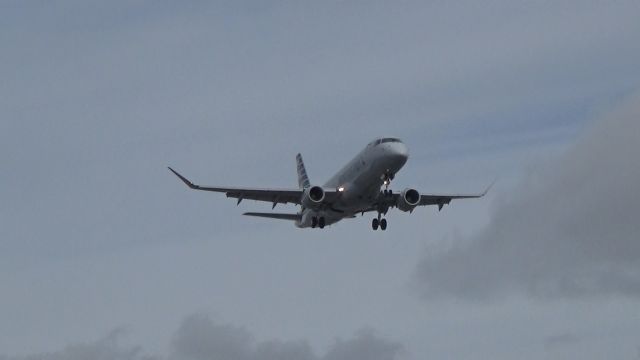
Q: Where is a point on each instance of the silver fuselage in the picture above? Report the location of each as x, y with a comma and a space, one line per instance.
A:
360, 181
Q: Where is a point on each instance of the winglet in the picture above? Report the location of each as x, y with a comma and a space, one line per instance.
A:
184, 179
488, 188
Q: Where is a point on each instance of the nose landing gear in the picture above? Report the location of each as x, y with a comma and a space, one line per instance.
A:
386, 178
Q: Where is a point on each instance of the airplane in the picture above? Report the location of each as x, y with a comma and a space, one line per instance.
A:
355, 189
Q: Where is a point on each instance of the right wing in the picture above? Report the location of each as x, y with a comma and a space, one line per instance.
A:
275, 196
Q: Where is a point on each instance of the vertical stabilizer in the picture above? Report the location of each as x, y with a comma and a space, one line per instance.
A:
303, 179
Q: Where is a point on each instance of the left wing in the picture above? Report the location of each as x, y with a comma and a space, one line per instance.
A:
275, 196
441, 199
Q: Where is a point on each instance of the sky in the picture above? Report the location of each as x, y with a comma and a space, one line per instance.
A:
105, 254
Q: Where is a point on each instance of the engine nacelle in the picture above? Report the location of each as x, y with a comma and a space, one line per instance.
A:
313, 197
408, 199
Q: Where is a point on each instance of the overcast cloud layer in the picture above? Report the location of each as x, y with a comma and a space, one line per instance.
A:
97, 98
571, 230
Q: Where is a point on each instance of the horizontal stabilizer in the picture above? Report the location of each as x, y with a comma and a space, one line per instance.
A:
274, 215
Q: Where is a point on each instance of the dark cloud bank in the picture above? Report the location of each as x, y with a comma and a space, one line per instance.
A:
199, 338
571, 230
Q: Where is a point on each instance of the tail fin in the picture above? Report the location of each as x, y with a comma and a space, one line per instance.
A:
303, 179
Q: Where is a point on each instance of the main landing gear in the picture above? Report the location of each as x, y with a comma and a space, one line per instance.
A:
318, 221
378, 222
385, 196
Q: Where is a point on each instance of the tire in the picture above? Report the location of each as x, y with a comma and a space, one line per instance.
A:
321, 223
383, 224
374, 224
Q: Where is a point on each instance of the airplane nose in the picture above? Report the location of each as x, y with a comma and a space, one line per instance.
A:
400, 152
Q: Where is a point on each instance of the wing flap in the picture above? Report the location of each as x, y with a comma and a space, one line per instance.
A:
279, 216
440, 200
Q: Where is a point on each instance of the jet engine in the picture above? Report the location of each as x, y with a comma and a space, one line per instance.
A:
408, 199
313, 197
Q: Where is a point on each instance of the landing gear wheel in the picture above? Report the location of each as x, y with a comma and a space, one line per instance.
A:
374, 224
383, 224
314, 222
321, 223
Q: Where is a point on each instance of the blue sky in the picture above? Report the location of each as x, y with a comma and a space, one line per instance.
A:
98, 98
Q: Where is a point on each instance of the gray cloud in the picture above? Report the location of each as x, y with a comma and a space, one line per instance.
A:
365, 345
571, 230
107, 348
200, 338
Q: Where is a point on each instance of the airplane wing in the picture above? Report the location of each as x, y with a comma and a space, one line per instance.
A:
431, 199
445, 199
275, 196
441, 200
274, 215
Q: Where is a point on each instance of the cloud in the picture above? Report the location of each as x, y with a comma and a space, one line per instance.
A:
570, 230
200, 338
365, 345
107, 348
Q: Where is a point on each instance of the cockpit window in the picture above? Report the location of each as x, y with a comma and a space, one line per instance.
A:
383, 140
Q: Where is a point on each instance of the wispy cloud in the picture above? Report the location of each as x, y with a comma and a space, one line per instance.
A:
571, 230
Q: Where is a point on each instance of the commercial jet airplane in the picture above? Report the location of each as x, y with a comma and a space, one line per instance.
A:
355, 189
